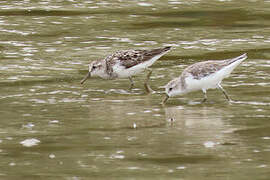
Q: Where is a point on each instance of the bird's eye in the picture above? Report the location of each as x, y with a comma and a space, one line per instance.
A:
170, 89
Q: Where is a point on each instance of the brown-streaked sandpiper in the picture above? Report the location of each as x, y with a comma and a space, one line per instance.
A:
126, 64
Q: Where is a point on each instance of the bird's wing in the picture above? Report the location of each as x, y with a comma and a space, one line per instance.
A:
131, 58
203, 69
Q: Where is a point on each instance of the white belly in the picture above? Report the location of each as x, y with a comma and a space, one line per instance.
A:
121, 72
208, 82
211, 81
124, 73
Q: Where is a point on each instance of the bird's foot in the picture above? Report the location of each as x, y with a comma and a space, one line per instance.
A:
148, 89
204, 100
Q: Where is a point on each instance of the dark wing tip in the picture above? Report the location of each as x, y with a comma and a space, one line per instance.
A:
242, 57
167, 48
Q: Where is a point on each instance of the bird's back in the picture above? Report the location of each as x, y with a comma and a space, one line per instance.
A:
207, 74
206, 68
129, 59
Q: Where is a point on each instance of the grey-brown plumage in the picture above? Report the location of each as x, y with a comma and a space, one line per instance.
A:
131, 58
125, 64
202, 69
203, 76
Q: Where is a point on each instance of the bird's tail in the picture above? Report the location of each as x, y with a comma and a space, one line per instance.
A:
233, 63
158, 52
239, 59
167, 48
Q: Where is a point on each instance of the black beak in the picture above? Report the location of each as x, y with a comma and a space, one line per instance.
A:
165, 99
86, 77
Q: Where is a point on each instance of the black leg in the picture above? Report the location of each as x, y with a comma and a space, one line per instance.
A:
224, 92
147, 87
131, 83
204, 96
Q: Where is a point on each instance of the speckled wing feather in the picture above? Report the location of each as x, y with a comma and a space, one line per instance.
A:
203, 69
206, 68
131, 58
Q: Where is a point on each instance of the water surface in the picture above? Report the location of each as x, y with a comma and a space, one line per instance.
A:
54, 128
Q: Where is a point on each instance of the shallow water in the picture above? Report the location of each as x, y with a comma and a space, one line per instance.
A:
54, 128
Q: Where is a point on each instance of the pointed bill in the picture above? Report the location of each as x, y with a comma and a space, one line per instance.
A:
86, 77
165, 99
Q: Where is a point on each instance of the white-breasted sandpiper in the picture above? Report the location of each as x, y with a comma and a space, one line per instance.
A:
203, 76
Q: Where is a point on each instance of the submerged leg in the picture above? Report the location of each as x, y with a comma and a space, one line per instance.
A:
147, 87
204, 96
131, 83
224, 92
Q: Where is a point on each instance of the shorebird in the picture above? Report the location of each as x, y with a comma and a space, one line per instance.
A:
126, 64
203, 76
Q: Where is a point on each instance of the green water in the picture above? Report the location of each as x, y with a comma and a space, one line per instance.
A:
87, 132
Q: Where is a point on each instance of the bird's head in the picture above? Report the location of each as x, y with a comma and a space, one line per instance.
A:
95, 68
173, 88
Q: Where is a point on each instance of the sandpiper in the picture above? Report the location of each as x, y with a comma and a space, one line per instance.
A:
126, 64
202, 76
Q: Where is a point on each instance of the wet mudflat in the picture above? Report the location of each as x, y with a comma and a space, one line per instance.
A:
54, 128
